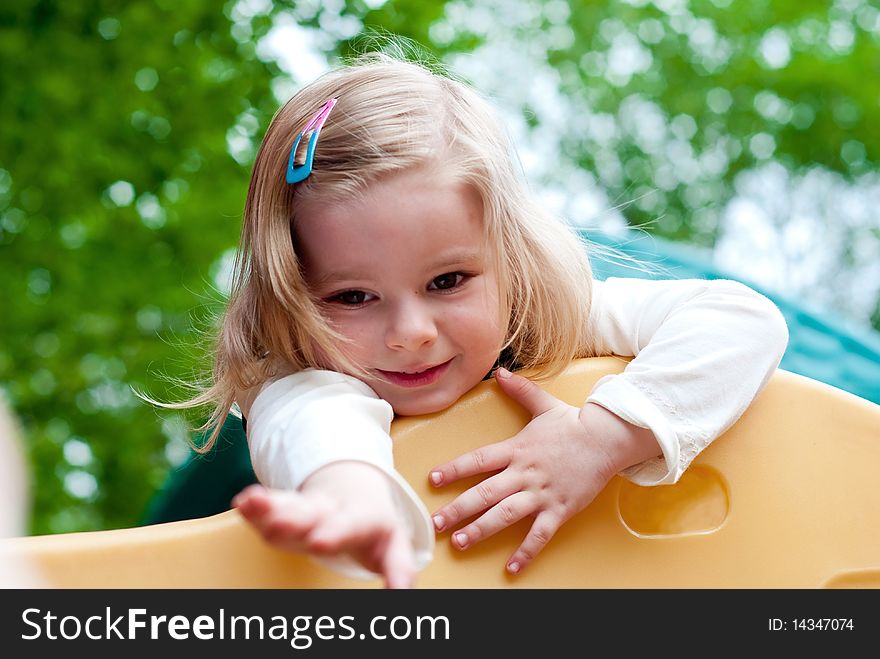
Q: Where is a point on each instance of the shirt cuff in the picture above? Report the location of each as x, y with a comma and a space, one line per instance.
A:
622, 398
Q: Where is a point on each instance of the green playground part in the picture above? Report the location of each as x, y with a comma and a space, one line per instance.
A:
819, 348
205, 484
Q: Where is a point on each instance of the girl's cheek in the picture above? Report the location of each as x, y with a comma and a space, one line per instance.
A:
360, 335
354, 334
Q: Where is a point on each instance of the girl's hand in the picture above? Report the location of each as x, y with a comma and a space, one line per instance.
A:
345, 507
552, 469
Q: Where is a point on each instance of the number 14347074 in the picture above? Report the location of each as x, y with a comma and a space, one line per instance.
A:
810, 624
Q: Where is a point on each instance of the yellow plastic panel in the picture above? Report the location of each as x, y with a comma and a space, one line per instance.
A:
699, 503
785, 498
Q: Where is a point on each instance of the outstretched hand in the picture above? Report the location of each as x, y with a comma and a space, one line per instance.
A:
343, 508
551, 469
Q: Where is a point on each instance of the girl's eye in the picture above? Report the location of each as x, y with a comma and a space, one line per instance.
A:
350, 298
447, 281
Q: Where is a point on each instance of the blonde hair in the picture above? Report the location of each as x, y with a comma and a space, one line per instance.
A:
391, 116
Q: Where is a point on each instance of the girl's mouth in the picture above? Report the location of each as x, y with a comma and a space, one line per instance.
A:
420, 379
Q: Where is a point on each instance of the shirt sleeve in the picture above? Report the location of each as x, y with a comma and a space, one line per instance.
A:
702, 351
304, 421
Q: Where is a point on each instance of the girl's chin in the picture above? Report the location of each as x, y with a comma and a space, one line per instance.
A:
417, 407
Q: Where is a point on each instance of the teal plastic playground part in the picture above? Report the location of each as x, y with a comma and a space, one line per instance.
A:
818, 348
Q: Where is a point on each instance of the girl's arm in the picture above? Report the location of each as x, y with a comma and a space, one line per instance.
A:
702, 351
324, 435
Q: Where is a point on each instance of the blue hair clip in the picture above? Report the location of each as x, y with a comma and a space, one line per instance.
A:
295, 173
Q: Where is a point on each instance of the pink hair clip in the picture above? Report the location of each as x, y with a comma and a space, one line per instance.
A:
295, 173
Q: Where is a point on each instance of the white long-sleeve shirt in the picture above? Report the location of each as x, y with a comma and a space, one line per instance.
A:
702, 351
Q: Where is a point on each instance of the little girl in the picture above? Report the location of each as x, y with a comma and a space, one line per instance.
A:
391, 258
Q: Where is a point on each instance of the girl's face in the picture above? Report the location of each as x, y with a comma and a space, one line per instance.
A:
405, 275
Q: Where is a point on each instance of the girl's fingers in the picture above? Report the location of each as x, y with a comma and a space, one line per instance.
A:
491, 457
480, 497
252, 500
340, 532
510, 510
398, 564
380, 549
292, 521
525, 392
328, 538
283, 518
544, 528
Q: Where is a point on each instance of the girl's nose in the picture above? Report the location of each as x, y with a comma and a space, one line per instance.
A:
411, 327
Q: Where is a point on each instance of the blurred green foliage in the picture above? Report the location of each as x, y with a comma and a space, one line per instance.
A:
128, 130
803, 76
119, 194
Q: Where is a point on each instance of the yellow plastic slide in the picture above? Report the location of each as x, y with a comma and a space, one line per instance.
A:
786, 498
